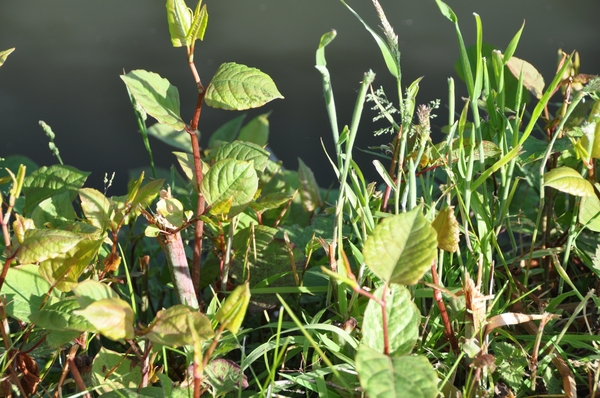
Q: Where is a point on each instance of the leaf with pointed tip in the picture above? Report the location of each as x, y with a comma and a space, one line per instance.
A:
4, 54
447, 11
170, 327
158, 97
96, 207
54, 211
112, 317
239, 87
403, 317
232, 312
382, 376
43, 244
532, 79
256, 130
401, 248
199, 24
46, 182
242, 150
230, 179
179, 139
568, 180
308, 188
90, 291
179, 17
447, 230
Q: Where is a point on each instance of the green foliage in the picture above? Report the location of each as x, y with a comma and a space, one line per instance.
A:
241, 275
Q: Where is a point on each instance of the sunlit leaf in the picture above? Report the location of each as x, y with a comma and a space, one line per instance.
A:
199, 24
242, 150
589, 212
383, 376
156, 96
447, 230
179, 17
403, 319
568, 180
96, 207
61, 316
225, 376
112, 317
43, 244
232, 312
24, 290
112, 370
230, 180
239, 87
532, 79
170, 326
4, 54
90, 291
401, 248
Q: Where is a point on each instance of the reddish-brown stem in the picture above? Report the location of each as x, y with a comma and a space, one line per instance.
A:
437, 295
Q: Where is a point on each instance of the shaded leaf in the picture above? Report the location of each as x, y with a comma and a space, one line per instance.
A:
24, 291
54, 211
256, 130
228, 132
403, 317
156, 96
446, 226
112, 371
112, 317
225, 376
179, 139
61, 316
568, 180
401, 248
308, 188
382, 376
589, 212
239, 87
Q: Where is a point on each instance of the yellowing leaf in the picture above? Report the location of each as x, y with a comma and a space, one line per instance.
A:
447, 230
567, 180
532, 79
112, 317
232, 312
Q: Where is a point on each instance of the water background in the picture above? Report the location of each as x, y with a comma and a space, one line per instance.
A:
70, 53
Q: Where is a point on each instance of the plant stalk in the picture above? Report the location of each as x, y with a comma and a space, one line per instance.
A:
173, 248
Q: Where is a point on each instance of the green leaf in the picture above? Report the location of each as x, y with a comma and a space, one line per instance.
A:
179, 17
230, 180
4, 54
256, 130
96, 207
239, 87
446, 226
589, 212
225, 376
447, 11
227, 132
64, 271
43, 244
90, 291
567, 180
156, 96
532, 79
112, 371
270, 201
512, 46
382, 376
171, 211
232, 312
112, 317
24, 291
401, 248
179, 139
147, 193
244, 151
308, 188
199, 24
170, 326
54, 211
60, 316
46, 182
403, 318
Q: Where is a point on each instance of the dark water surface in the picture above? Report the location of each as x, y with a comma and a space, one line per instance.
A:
69, 55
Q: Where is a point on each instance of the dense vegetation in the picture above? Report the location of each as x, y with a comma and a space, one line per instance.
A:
469, 270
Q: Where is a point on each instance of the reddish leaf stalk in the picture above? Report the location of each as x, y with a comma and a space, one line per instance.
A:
437, 295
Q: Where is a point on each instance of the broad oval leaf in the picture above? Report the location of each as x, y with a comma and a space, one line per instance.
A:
43, 244
179, 139
568, 180
170, 326
112, 370
61, 316
158, 97
90, 291
230, 180
242, 150
589, 212
532, 79
382, 376
96, 207
401, 248
113, 317
446, 226
24, 291
403, 317
239, 87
